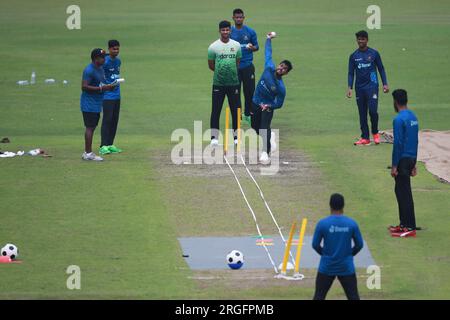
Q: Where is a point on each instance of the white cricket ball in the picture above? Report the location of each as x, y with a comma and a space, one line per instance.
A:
273, 34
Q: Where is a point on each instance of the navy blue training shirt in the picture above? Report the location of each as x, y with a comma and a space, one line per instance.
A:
337, 233
92, 101
269, 89
245, 36
406, 136
365, 64
112, 72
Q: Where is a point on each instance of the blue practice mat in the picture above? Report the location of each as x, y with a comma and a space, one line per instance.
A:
210, 253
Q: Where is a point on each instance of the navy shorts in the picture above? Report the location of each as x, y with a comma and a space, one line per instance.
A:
91, 119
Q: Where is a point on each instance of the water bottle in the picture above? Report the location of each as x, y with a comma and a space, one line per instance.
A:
33, 77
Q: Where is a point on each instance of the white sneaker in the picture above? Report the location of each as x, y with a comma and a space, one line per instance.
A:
91, 156
235, 142
273, 143
264, 158
214, 142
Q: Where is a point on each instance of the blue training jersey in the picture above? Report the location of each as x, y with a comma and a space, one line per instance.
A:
337, 233
92, 101
269, 89
245, 36
112, 72
365, 64
406, 136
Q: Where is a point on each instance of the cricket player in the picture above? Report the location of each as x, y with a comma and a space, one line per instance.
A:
269, 96
336, 254
224, 56
364, 62
248, 39
92, 90
404, 157
111, 100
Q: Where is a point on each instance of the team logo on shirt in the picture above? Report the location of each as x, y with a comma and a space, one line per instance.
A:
245, 38
334, 229
369, 58
375, 96
232, 49
414, 123
273, 88
225, 56
364, 65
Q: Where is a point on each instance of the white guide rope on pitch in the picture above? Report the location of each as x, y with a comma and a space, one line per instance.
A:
253, 214
267, 207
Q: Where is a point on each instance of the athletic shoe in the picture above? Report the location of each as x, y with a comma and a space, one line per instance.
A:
236, 142
404, 233
395, 228
264, 158
91, 156
214, 142
362, 142
248, 119
376, 138
273, 143
114, 149
104, 150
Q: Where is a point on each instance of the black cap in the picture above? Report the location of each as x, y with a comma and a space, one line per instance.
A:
97, 53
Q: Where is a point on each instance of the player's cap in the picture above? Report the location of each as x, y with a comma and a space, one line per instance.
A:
97, 53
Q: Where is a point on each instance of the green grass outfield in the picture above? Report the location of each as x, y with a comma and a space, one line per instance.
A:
115, 219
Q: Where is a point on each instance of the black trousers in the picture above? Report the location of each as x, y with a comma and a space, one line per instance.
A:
218, 96
324, 282
367, 101
261, 121
111, 110
247, 78
404, 194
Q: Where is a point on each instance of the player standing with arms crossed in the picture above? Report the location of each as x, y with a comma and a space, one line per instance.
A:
224, 55
364, 62
248, 39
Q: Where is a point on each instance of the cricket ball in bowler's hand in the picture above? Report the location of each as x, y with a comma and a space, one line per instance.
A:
272, 34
